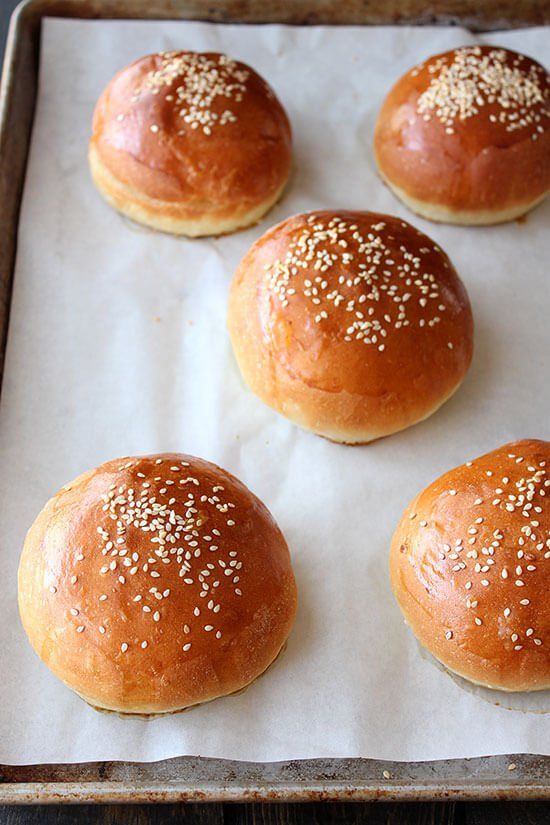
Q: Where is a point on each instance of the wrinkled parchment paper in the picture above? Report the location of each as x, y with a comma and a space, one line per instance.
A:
118, 345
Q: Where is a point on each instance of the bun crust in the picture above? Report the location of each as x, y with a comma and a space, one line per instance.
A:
189, 143
351, 324
470, 568
124, 589
465, 136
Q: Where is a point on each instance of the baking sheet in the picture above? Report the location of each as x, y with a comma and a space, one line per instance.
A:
118, 345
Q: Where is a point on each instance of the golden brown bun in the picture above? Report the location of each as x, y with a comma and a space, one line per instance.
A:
470, 567
465, 136
189, 143
351, 324
124, 589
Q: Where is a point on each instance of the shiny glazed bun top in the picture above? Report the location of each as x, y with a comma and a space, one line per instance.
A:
352, 324
468, 131
470, 566
154, 583
199, 130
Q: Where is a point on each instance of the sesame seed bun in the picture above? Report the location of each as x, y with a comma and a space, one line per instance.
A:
152, 584
470, 568
188, 143
354, 325
465, 136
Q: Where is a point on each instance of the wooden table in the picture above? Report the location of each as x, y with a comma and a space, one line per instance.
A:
374, 813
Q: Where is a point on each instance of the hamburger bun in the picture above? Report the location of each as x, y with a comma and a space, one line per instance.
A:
470, 568
155, 583
464, 137
188, 143
351, 324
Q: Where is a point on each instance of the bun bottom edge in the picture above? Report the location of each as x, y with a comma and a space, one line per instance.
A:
487, 685
133, 205
450, 671
146, 715
438, 213
367, 436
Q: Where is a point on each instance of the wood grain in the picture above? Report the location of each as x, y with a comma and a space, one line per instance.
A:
507, 813
114, 815
373, 813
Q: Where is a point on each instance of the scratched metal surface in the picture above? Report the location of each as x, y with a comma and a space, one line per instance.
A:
194, 778
208, 780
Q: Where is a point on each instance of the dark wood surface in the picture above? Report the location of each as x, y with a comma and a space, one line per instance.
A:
440, 813
6, 8
373, 813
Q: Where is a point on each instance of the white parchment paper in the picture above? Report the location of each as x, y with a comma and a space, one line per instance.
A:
118, 345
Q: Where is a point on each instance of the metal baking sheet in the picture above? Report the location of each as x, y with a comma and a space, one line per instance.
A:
195, 778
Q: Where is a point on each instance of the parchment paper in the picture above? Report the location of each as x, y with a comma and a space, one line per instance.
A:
118, 345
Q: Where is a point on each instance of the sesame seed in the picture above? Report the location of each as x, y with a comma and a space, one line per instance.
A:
194, 83
517, 493
374, 274
174, 533
467, 83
